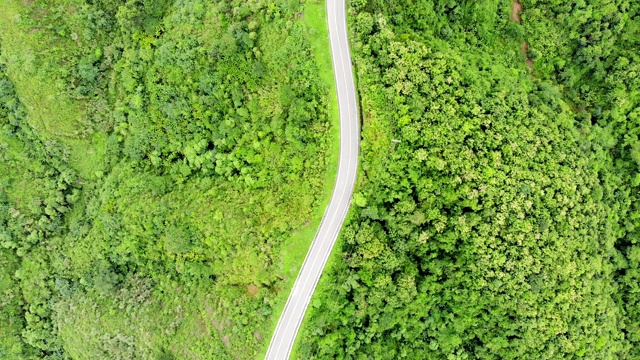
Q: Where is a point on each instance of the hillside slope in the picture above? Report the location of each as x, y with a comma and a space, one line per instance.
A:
159, 163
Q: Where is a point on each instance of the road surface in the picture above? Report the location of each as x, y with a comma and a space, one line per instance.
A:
291, 318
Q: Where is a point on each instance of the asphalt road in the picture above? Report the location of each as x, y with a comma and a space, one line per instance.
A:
291, 318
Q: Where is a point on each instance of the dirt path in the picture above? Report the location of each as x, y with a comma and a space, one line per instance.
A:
516, 10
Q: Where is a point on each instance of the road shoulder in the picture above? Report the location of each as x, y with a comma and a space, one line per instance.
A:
315, 21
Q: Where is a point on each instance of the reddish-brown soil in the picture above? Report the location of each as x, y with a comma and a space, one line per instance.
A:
524, 50
516, 10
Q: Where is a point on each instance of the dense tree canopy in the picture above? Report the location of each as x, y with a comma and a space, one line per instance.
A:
502, 224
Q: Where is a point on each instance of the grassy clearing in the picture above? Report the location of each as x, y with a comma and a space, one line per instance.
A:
87, 155
51, 112
295, 249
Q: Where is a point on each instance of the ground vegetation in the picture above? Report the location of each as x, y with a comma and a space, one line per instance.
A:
157, 158
495, 216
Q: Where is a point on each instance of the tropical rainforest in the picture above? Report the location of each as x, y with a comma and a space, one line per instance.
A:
163, 163
159, 164
496, 212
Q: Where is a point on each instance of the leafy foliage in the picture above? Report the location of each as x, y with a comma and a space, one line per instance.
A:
502, 224
203, 147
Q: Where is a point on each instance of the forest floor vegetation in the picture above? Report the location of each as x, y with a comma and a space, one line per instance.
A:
164, 165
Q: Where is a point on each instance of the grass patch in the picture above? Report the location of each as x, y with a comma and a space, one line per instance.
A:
296, 248
51, 112
88, 153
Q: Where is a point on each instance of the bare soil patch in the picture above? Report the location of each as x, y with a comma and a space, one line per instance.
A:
202, 328
225, 341
524, 50
252, 290
516, 10
216, 324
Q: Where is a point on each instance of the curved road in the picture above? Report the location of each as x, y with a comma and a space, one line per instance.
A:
291, 318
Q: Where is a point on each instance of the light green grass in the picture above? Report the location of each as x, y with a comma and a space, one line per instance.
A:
296, 247
87, 154
51, 112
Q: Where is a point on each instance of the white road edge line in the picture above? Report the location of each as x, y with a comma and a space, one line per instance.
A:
319, 249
